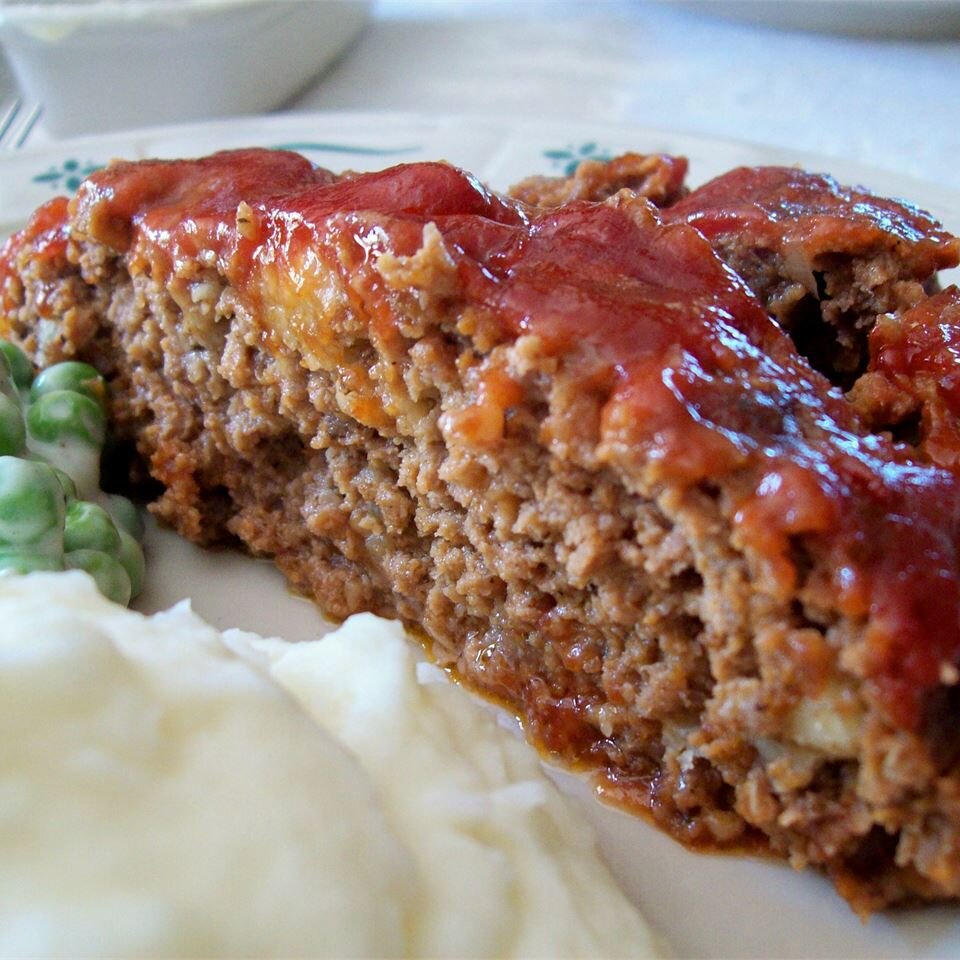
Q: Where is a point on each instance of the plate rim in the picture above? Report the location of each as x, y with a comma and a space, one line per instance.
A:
518, 124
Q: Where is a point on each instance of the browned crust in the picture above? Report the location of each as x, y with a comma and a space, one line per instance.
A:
657, 177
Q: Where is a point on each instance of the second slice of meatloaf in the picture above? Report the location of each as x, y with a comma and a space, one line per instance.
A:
824, 259
912, 384
572, 449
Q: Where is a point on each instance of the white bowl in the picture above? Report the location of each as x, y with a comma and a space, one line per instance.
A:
100, 65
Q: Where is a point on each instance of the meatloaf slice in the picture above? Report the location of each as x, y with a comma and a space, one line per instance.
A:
568, 446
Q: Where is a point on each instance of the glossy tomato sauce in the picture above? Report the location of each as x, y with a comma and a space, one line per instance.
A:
777, 205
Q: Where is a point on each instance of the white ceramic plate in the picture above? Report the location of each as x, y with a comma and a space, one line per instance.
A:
705, 905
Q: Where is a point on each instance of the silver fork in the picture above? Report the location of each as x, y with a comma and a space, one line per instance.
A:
17, 120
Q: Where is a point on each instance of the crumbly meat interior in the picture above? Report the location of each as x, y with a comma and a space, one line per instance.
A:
623, 621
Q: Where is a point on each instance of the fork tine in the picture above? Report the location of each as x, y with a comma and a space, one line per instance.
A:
8, 118
27, 123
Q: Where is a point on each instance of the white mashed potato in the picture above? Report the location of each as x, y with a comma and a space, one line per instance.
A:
166, 790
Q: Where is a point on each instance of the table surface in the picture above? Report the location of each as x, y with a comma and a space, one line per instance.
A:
887, 101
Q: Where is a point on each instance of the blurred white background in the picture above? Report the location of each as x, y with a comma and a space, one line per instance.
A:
887, 101
881, 91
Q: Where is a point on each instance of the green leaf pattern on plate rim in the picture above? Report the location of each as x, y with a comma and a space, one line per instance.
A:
69, 174
569, 158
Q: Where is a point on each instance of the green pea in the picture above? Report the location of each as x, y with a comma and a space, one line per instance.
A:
16, 561
66, 481
74, 376
126, 515
89, 527
7, 387
13, 435
63, 414
131, 559
32, 504
21, 369
112, 580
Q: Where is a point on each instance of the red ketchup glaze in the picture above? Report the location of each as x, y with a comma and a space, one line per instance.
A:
183, 207
784, 204
699, 383
919, 356
46, 234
